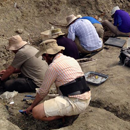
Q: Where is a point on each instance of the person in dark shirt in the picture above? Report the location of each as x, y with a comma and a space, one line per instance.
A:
70, 46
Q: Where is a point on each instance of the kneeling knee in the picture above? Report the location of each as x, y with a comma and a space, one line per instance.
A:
105, 22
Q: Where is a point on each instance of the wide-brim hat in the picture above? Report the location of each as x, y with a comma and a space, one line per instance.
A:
71, 18
15, 43
49, 47
115, 9
56, 33
46, 35
79, 16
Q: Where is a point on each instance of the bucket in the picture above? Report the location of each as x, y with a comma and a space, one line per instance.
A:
87, 64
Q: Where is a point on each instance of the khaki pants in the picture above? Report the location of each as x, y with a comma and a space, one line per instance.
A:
81, 49
114, 29
65, 106
99, 29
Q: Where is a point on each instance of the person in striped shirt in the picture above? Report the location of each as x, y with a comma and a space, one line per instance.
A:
66, 73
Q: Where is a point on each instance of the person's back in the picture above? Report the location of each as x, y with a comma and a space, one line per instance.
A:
98, 26
74, 93
86, 33
91, 19
122, 21
121, 26
30, 66
70, 47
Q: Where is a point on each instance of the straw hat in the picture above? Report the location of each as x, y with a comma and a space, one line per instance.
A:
70, 19
79, 16
49, 47
15, 43
46, 35
56, 33
115, 9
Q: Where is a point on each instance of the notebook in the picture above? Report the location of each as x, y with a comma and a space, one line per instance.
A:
117, 42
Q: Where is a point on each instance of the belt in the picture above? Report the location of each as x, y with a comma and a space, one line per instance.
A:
74, 81
75, 87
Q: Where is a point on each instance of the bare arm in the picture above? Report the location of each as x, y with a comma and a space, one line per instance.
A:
35, 102
10, 70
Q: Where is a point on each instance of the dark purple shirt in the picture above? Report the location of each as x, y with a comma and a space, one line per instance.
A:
122, 21
70, 47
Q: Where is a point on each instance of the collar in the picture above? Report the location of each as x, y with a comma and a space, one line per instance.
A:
58, 56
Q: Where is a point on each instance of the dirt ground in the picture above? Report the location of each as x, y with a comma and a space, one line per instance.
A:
109, 108
110, 104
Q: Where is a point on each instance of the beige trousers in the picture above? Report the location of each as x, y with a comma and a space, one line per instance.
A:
99, 29
65, 106
81, 49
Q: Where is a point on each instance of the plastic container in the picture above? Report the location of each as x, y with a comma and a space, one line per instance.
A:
95, 78
128, 42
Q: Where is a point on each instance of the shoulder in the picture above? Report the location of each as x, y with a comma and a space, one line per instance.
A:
28, 50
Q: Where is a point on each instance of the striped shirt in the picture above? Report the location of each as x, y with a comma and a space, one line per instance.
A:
62, 70
85, 31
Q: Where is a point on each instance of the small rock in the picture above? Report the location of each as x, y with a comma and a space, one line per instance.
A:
19, 31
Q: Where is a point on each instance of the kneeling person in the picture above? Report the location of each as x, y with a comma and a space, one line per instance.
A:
74, 94
83, 29
70, 46
32, 69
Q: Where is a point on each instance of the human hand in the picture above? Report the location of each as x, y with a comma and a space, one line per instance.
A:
2, 72
29, 109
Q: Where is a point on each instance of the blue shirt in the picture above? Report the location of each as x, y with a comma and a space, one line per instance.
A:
86, 33
91, 19
122, 21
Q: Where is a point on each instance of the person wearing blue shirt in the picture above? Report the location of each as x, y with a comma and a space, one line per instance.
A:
121, 24
98, 26
89, 41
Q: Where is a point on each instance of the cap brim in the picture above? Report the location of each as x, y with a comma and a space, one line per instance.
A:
55, 50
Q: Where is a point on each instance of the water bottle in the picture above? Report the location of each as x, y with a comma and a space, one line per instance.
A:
128, 42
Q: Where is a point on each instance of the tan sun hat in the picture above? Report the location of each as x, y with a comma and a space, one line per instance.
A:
70, 19
56, 33
79, 16
15, 43
115, 9
46, 35
49, 47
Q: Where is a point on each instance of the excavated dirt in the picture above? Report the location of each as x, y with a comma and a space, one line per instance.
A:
110, 105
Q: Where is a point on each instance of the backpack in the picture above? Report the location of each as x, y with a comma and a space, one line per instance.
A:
125, 56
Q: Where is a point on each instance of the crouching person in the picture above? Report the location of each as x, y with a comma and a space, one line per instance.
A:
32, 69
65, 72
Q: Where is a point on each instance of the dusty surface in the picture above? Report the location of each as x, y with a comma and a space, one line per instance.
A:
110, 105
96, 116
